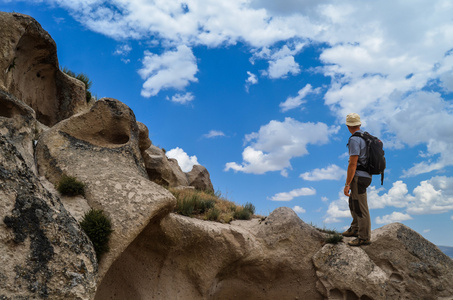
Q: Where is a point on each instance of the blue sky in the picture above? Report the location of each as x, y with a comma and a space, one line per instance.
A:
257, 91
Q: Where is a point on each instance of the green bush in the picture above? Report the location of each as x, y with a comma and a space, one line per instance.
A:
334, 238
250, 207
98, 228
82, 77
70, 186
242, 214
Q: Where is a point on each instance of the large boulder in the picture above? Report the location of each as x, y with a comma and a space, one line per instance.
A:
101, 148
162, 170
44, 252
399, 264
193, 259
30, 71
199, 178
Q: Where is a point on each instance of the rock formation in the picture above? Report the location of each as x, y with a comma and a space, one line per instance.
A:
44, 253
101, 148
29, 70
48, 130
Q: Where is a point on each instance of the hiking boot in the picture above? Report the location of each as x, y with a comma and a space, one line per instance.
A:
350, 232
359, 242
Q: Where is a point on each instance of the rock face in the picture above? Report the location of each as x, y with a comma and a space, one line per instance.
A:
199, 178
44, 253
101, 148
155, 254
193, 259
29, 70
162, 170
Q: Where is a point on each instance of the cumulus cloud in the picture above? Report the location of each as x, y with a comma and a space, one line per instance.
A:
294, 102
337, 210
299, 209
433, 196
281, 60
394, 217
172, 69
181, 98
213, 133
332, 172
275, 144
185, 161
288, 196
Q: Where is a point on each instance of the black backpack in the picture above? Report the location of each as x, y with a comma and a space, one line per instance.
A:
375, 163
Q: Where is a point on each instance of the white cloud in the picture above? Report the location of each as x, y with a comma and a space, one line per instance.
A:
299, 210
332, 172
185, 161
123, 50
172, 69
294, 102
275, 144
288, 196
251, 80
426, 230
181, 98
337, 210
281, 61
213, 134
392, 218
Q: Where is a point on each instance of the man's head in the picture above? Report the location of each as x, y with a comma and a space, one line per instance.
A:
353, 122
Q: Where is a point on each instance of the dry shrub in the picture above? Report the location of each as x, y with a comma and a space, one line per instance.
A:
209, 206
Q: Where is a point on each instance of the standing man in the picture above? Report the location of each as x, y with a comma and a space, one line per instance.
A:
356, 183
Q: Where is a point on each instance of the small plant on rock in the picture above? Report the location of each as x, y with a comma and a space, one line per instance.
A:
334, 238
82, 77
70, 186
98, 228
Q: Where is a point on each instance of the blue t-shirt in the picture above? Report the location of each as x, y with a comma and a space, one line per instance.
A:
357, 146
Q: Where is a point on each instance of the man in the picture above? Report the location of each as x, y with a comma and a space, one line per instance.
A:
356, 183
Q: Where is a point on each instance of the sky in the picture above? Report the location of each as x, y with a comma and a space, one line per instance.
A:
257, 91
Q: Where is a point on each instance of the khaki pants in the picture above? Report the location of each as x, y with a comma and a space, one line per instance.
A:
358, 205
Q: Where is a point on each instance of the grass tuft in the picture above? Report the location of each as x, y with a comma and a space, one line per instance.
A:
334, 238
208, 205
70, 186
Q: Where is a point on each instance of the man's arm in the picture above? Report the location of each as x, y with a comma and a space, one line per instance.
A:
352, 166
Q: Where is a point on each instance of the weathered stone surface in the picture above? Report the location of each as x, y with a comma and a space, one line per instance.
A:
199, 178
44, 253
345, 271
18, 125
144, 141
30, 71
101, 148
162, 170
414, 266
399, 264
193, 259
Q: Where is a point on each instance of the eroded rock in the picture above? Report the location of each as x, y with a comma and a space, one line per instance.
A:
101, 148
199, 178
194, 259
44, 253
162, 170
29, 70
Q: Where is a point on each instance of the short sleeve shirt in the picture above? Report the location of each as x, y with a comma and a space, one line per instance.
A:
357, 146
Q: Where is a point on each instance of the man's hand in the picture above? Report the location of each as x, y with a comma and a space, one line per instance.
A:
346, 190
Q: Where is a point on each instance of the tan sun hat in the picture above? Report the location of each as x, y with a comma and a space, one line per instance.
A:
353, 119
